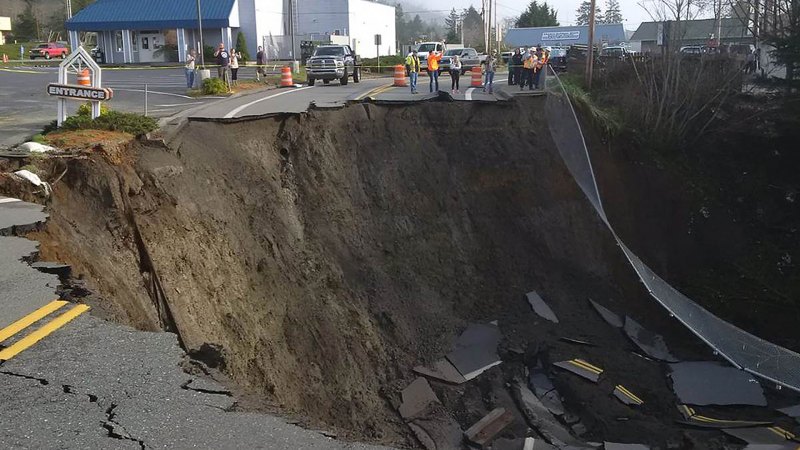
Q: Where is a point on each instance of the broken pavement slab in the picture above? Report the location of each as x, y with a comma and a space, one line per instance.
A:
693, 418
763, 435
416, 398
540, 307
437, 430
606, 314
791, 411
476, 350
704, 383
442, 370
16, 213
546, 391
626, 396
540, 419
486, 429
650, 343
581, 368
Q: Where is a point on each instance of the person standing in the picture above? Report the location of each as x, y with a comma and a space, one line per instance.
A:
190, 64
235, 66
455, 74
433, 69
261, 61
528, 65
515, 70
490, 68
223, 61
413, 67
537, 68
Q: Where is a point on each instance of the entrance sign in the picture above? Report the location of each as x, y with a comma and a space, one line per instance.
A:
75, 64
79, 92
561, 35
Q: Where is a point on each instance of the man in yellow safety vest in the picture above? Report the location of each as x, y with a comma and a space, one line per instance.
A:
413, 68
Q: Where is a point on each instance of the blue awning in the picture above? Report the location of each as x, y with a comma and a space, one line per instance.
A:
527, 37
150, 15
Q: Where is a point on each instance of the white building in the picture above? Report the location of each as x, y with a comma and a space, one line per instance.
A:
5, 26
360, 20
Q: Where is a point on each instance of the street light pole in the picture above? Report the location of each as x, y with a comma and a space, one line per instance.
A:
200, 28
590, 50
291, 30
69, 9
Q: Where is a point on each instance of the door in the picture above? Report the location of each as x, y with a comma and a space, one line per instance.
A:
149, 43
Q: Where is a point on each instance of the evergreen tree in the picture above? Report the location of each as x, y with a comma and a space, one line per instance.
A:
613, 13
473, 29
583, 13
26, 27
538, 15
451, 23
241, 46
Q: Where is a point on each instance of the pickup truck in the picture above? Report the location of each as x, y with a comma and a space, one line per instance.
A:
49, 50
333, 62
469, 59
426, 47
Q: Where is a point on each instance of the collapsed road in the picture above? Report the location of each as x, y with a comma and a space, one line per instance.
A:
411, 275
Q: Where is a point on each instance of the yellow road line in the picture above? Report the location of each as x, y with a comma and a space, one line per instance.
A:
375, 91
42, 332
782, 433
629, 394
585, 365
31, 318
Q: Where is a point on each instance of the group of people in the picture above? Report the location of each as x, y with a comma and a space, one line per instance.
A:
414, 67
525, 68
227, 65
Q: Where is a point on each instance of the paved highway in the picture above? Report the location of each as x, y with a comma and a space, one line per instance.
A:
71, 380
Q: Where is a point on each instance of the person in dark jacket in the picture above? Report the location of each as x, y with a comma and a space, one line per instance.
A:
515, 68
223, 63
261, 61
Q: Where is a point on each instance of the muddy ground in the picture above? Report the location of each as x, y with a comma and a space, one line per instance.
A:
316, 259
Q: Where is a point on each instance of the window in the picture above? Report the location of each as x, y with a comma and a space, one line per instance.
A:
118, 40
145, 43
134, 41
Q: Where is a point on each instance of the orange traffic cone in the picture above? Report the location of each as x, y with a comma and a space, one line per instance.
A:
5, 58
83, 78
477, 76
286, 77
400, 76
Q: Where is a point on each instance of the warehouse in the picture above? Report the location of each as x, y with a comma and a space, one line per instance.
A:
567, 35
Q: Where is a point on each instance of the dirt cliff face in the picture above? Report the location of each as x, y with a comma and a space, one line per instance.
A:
317, 258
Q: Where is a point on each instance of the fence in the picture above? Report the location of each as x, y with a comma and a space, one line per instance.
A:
740, 348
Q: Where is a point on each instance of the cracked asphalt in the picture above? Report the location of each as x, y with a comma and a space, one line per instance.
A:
93, 384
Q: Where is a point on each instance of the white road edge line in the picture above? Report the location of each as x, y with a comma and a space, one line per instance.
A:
152, 92
468, 94
239, 109
9, 200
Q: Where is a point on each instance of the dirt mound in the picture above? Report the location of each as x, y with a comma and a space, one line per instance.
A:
318, 258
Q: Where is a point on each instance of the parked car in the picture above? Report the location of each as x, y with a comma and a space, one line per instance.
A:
469, 59
693, 50
558, 58
333, 62
49, 50
426, 47
614, 52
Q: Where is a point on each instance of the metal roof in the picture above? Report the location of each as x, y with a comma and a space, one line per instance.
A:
525, 37
150, 14
730, 28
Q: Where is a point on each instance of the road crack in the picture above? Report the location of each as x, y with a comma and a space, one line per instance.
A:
112, 426
41, 381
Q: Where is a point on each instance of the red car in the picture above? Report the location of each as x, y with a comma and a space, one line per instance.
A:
50, 50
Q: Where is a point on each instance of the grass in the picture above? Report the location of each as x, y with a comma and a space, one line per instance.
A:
607, 120
12, 50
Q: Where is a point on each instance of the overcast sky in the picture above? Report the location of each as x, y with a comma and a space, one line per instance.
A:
631, 11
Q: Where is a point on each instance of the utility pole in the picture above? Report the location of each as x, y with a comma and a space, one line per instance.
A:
291, 30
200, 29
590, 49
69, 9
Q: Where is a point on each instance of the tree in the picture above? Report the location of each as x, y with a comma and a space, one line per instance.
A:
241, 46
583, 13
473, 29
538, 15
452, 23
613, 13
26, 27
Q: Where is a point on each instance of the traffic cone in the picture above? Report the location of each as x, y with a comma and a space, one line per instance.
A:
83, 78
477, 76
400, 76
286, 77
5, 58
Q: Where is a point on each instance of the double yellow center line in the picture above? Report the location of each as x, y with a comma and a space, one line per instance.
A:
585, 365
629, 394
42, 332
374, 92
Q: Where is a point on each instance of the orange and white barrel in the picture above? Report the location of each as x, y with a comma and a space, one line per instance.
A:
286, 77
400, 76
477, 76
83, 78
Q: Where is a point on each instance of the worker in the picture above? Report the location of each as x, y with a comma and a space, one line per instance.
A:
515, 68
528, 65
538, 67
433, 69
413, 69
490, 68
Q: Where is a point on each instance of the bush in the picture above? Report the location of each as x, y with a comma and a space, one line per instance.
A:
241, 46
387, 63
86, 109
214, 86
135, 124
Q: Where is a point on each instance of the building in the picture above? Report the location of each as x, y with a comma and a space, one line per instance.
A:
567, 35
145, 31
731, 31
360, 20
5, 27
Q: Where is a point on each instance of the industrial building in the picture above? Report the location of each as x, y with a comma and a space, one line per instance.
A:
146, 31
566, 35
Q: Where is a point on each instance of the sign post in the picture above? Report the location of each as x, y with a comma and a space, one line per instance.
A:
378, 50
78, 63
